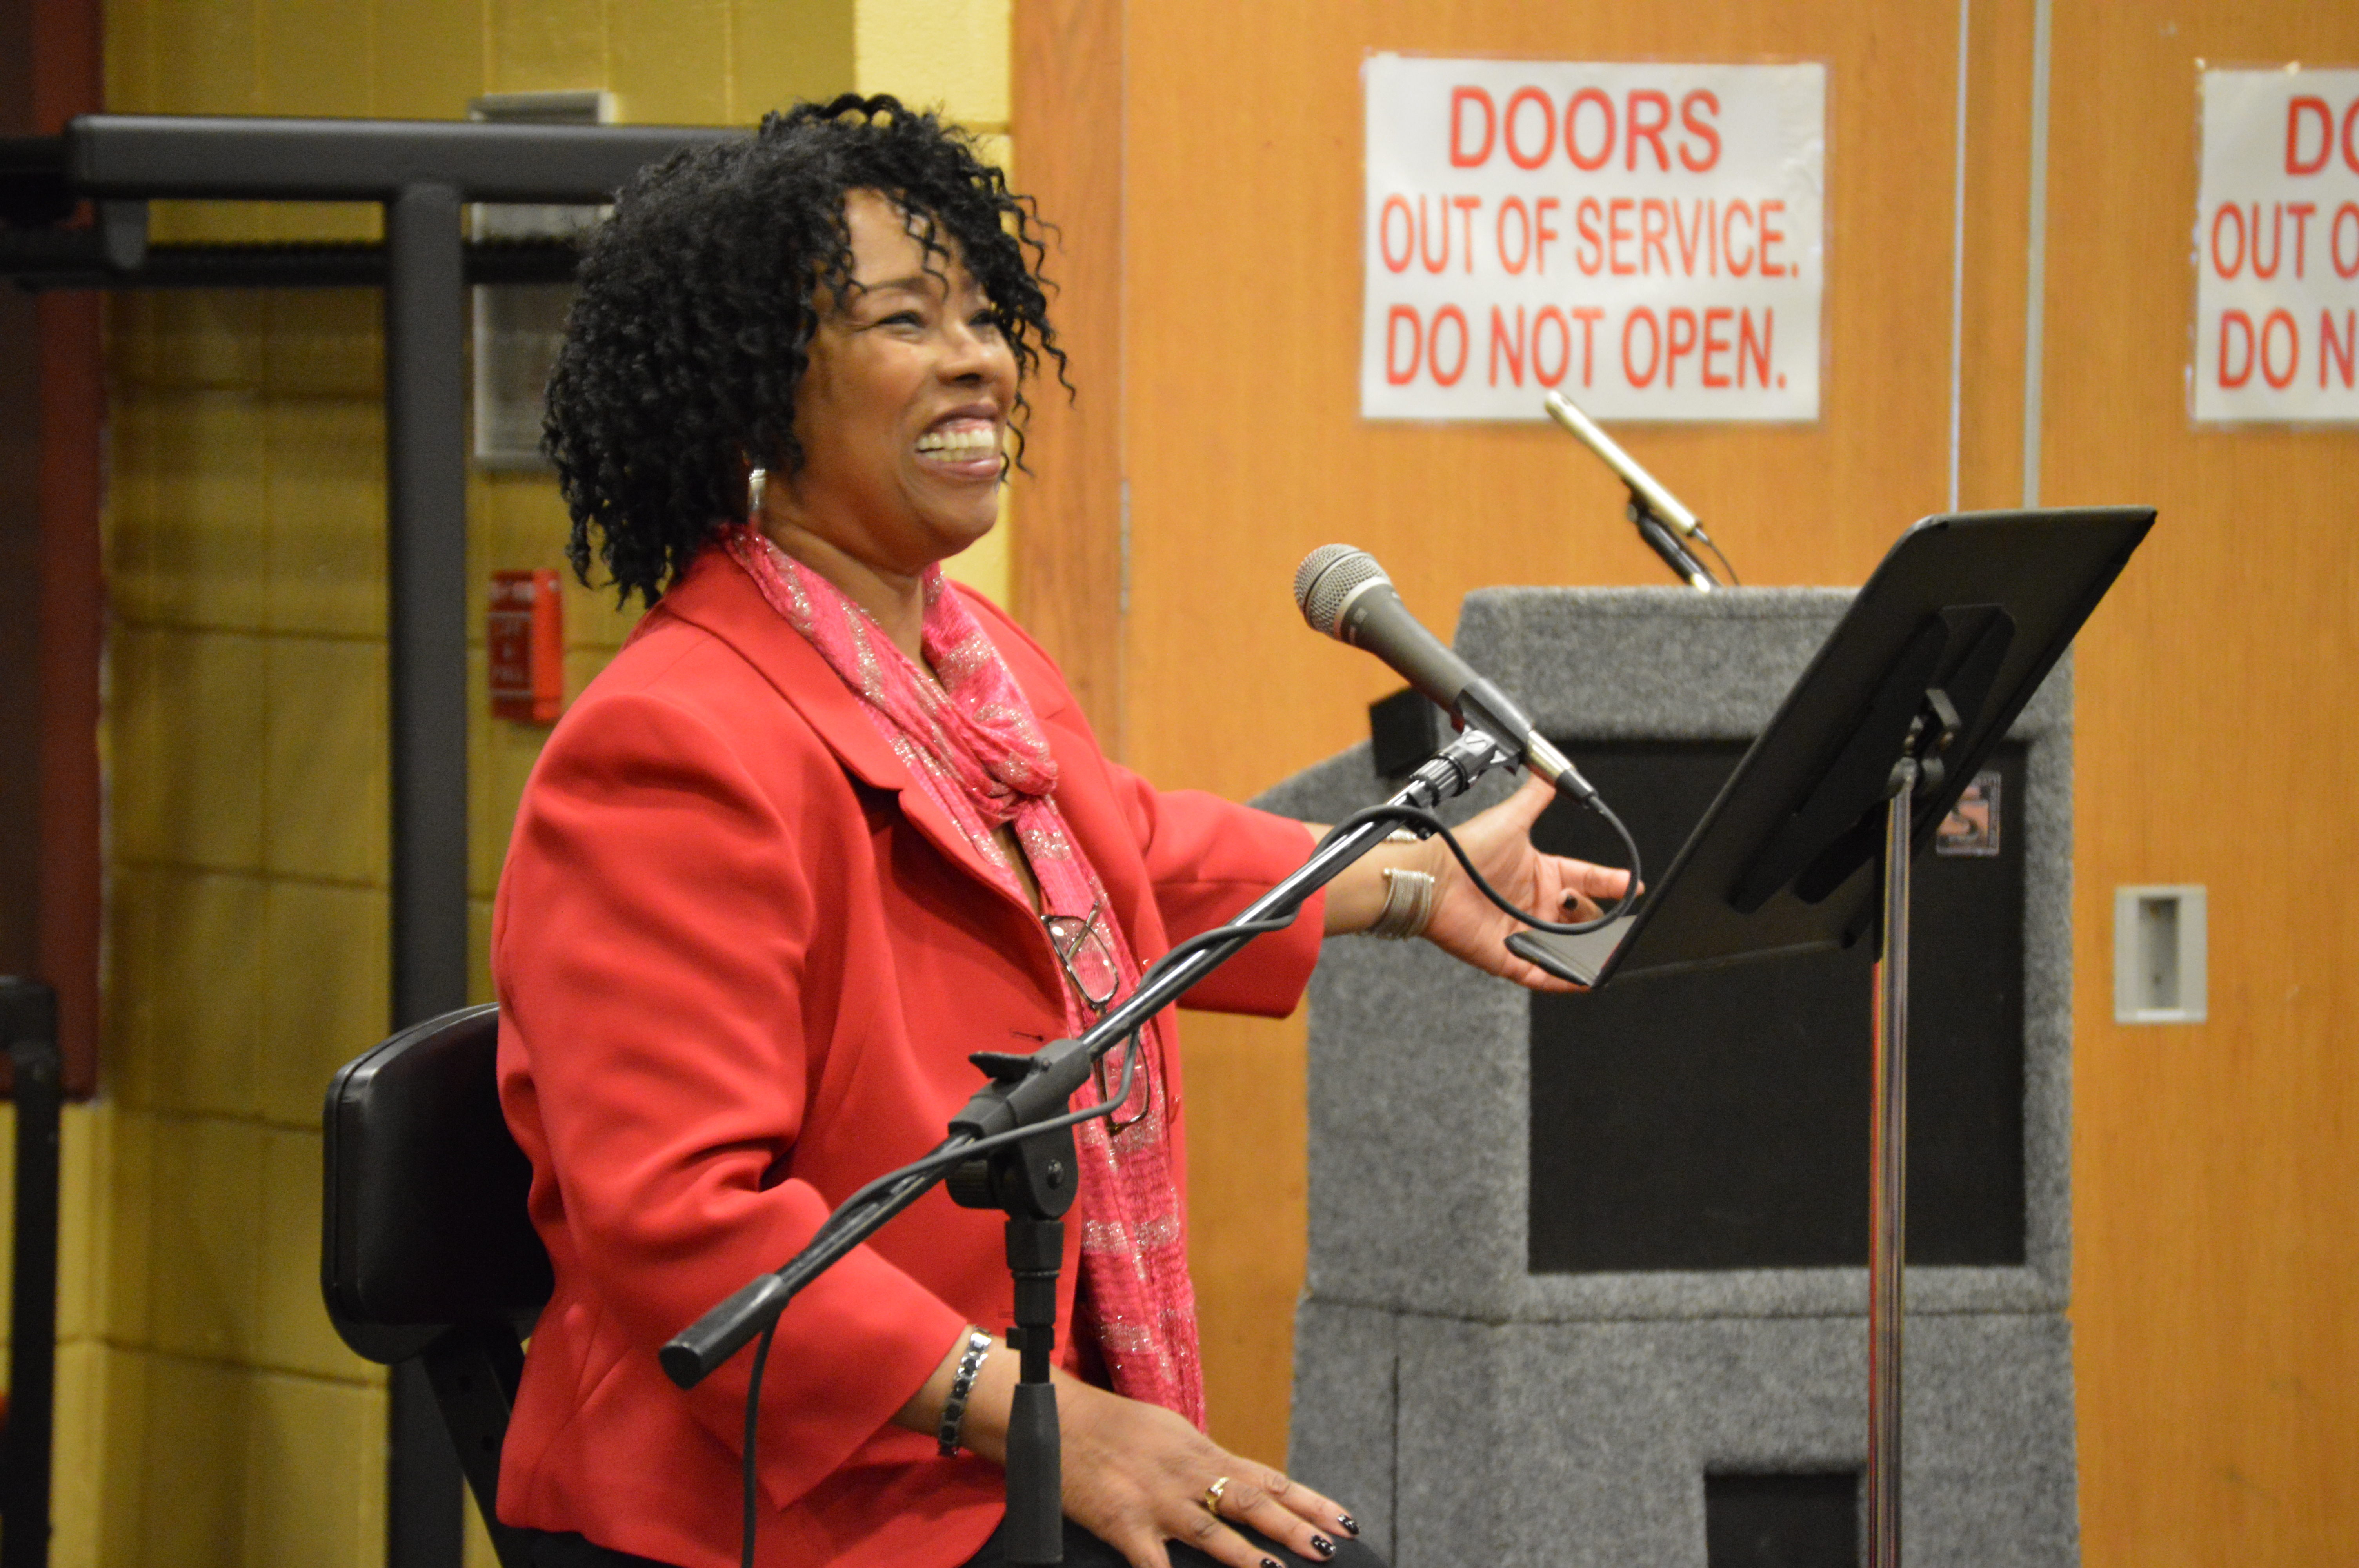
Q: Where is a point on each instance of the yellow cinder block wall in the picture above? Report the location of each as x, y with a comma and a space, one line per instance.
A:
207, 1414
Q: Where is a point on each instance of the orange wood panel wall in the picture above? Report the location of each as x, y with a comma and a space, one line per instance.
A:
1065, 119
2216, 1211
1244, 447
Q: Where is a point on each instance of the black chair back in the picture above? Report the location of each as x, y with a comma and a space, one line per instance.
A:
426, 1247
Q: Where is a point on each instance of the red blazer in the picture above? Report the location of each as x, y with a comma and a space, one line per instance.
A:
740, 958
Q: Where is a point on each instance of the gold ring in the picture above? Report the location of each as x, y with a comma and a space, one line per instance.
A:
1212, 1499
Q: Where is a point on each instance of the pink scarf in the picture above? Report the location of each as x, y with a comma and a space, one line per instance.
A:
972, 742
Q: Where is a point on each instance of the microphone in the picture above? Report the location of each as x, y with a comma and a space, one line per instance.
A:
1344, 594
1660, 501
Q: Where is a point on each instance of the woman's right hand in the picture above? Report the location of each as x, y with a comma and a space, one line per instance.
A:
1136, 1476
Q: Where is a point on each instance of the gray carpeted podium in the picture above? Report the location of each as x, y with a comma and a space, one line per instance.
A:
1591, 1365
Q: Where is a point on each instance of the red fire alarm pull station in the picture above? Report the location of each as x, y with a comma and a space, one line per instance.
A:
526, 630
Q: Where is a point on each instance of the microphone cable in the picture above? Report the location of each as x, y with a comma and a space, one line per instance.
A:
1714, 546
1431, 825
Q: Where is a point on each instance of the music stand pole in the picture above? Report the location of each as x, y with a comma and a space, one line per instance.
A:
1887, 1236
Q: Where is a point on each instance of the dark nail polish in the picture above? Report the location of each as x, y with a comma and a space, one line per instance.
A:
1322, 1545
1350, 1526
1269, 1562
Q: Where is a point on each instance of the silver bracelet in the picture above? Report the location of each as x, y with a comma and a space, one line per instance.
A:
1409, 905
946, 1434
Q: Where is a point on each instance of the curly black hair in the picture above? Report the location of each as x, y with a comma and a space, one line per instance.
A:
692, 327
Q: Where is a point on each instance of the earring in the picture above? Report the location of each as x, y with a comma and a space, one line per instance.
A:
756, 481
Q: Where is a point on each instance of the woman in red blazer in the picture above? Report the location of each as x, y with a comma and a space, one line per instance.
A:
822, 828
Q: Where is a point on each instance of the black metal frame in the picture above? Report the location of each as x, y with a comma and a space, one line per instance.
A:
28, 1032
423, 172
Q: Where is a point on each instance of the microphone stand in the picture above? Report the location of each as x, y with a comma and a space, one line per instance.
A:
1035, 1178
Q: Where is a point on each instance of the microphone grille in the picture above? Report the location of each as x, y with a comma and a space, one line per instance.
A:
1328, 577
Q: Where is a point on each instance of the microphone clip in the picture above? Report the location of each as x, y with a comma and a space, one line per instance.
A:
1665, 544
1451, 771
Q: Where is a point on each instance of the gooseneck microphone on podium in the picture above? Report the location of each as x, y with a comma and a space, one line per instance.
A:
1663, 520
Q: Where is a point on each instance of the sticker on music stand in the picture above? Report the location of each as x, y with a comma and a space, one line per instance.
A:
1972, 827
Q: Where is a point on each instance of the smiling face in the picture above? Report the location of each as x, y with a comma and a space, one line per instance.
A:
901, 412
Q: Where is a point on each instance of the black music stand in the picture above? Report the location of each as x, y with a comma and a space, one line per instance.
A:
1941, 650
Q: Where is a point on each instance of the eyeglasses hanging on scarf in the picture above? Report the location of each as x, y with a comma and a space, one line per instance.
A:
1082, 948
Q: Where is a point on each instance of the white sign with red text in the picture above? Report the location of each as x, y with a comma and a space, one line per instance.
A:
2277, 248
1649, 239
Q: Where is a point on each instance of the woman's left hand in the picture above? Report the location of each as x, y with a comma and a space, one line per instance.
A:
1470, 927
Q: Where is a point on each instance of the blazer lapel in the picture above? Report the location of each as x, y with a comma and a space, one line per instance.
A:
718, 597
